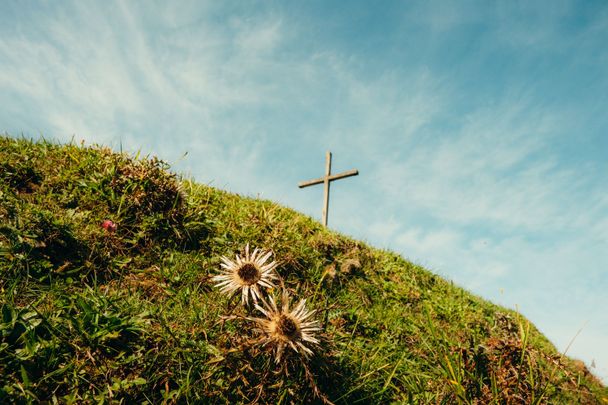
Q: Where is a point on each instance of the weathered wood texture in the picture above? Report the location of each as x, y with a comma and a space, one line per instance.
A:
331, 178
326, 180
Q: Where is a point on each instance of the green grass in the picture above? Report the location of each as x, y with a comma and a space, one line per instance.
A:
90, 316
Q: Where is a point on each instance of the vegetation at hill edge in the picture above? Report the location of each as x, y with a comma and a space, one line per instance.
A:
130, 314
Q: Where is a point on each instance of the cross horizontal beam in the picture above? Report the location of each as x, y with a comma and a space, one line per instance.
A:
320, 180
326, 181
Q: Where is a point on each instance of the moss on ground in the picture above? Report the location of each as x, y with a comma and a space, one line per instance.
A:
89, 315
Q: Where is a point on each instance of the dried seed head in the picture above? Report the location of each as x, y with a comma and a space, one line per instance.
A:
287, 327
283, 327
249, 274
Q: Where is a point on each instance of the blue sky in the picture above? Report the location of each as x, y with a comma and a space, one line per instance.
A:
479, 128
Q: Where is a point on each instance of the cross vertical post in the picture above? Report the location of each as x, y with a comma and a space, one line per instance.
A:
326, 184
326, 180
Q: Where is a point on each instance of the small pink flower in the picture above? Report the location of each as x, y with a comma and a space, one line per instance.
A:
109, 225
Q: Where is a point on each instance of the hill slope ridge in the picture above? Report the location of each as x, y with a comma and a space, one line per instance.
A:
127, 310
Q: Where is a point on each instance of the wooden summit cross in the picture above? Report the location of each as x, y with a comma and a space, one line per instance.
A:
328, 178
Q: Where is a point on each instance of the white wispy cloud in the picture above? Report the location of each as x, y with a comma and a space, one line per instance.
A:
463, 179
98, 75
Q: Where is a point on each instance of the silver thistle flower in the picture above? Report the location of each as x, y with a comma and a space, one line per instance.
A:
283, 327
248, 273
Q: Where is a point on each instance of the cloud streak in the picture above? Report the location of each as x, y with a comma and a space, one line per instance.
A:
479, 141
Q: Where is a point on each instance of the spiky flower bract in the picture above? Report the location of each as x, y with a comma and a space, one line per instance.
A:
283, 327
249, 273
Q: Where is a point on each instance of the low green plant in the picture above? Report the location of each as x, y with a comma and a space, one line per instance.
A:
130, 314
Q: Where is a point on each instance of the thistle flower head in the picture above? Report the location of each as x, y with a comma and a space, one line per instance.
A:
249, 273
283, 327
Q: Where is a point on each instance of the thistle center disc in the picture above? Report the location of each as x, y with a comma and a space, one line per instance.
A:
287, 326
249, 273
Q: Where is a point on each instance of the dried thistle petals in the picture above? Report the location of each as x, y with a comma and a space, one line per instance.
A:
249, 273
283, 327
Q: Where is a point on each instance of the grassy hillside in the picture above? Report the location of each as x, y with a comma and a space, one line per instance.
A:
91, 314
